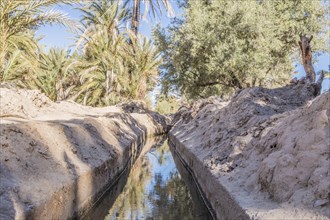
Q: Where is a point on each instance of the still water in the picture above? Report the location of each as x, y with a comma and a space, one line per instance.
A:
156, 187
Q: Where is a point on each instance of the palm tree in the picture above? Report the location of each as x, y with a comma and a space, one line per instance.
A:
100, 68
117, 68
55, 75
143, 60
101, 42
103, 15
114, 67
155, 7
20, 58
18, 20
130, 204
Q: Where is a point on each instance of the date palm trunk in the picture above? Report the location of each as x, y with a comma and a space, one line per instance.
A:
136, 16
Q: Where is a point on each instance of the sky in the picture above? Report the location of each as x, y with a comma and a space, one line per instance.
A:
59, 36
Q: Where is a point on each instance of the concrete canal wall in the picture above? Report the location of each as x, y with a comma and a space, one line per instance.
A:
263, 154
58, 158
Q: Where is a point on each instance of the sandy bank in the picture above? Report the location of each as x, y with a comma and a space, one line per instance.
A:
264, 154
57, 158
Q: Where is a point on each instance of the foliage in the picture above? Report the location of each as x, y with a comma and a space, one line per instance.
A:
221, 46
18, 60
55, 75
102, 45
143, 60
167, 105
155, 7
148, 101
172, 195
18, 20
114, 68
148, 193
130, 204
107, 66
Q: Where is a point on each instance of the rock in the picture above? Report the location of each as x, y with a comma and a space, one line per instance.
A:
134, 107
321, 202
33, 143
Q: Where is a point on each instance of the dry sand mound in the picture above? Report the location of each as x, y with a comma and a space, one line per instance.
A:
56, 158
269, 148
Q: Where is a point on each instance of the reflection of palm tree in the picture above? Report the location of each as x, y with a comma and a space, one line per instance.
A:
169, 198
173, 195
160, 153
130, 204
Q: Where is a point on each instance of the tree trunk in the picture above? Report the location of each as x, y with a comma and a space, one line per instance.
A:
135, 17
59, 90
4, 39
318, 86
108, 82
86, 97
3, 50
306, 53
235, 81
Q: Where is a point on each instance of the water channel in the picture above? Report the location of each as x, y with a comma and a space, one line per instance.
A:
156, 187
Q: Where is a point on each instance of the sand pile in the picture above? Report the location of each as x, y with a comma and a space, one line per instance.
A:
56, 158
269, 148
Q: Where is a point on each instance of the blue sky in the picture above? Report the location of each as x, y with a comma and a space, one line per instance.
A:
59, 36
322, 64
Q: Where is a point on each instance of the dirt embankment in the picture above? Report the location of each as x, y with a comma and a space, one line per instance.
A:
264, 154
57, 158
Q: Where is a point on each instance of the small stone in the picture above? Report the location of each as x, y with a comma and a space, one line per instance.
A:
320, 202
30, 207
294, 80
15, 130
30, 149
257, 133
33, 143
43, 153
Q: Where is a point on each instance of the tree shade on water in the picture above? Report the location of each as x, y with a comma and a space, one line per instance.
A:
155, 189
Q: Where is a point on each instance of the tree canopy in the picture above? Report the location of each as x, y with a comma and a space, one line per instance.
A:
18, 21
220, 46
106, 67
217, 47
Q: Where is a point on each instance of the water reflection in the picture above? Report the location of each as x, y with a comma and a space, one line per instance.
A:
156, 190
130, 204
